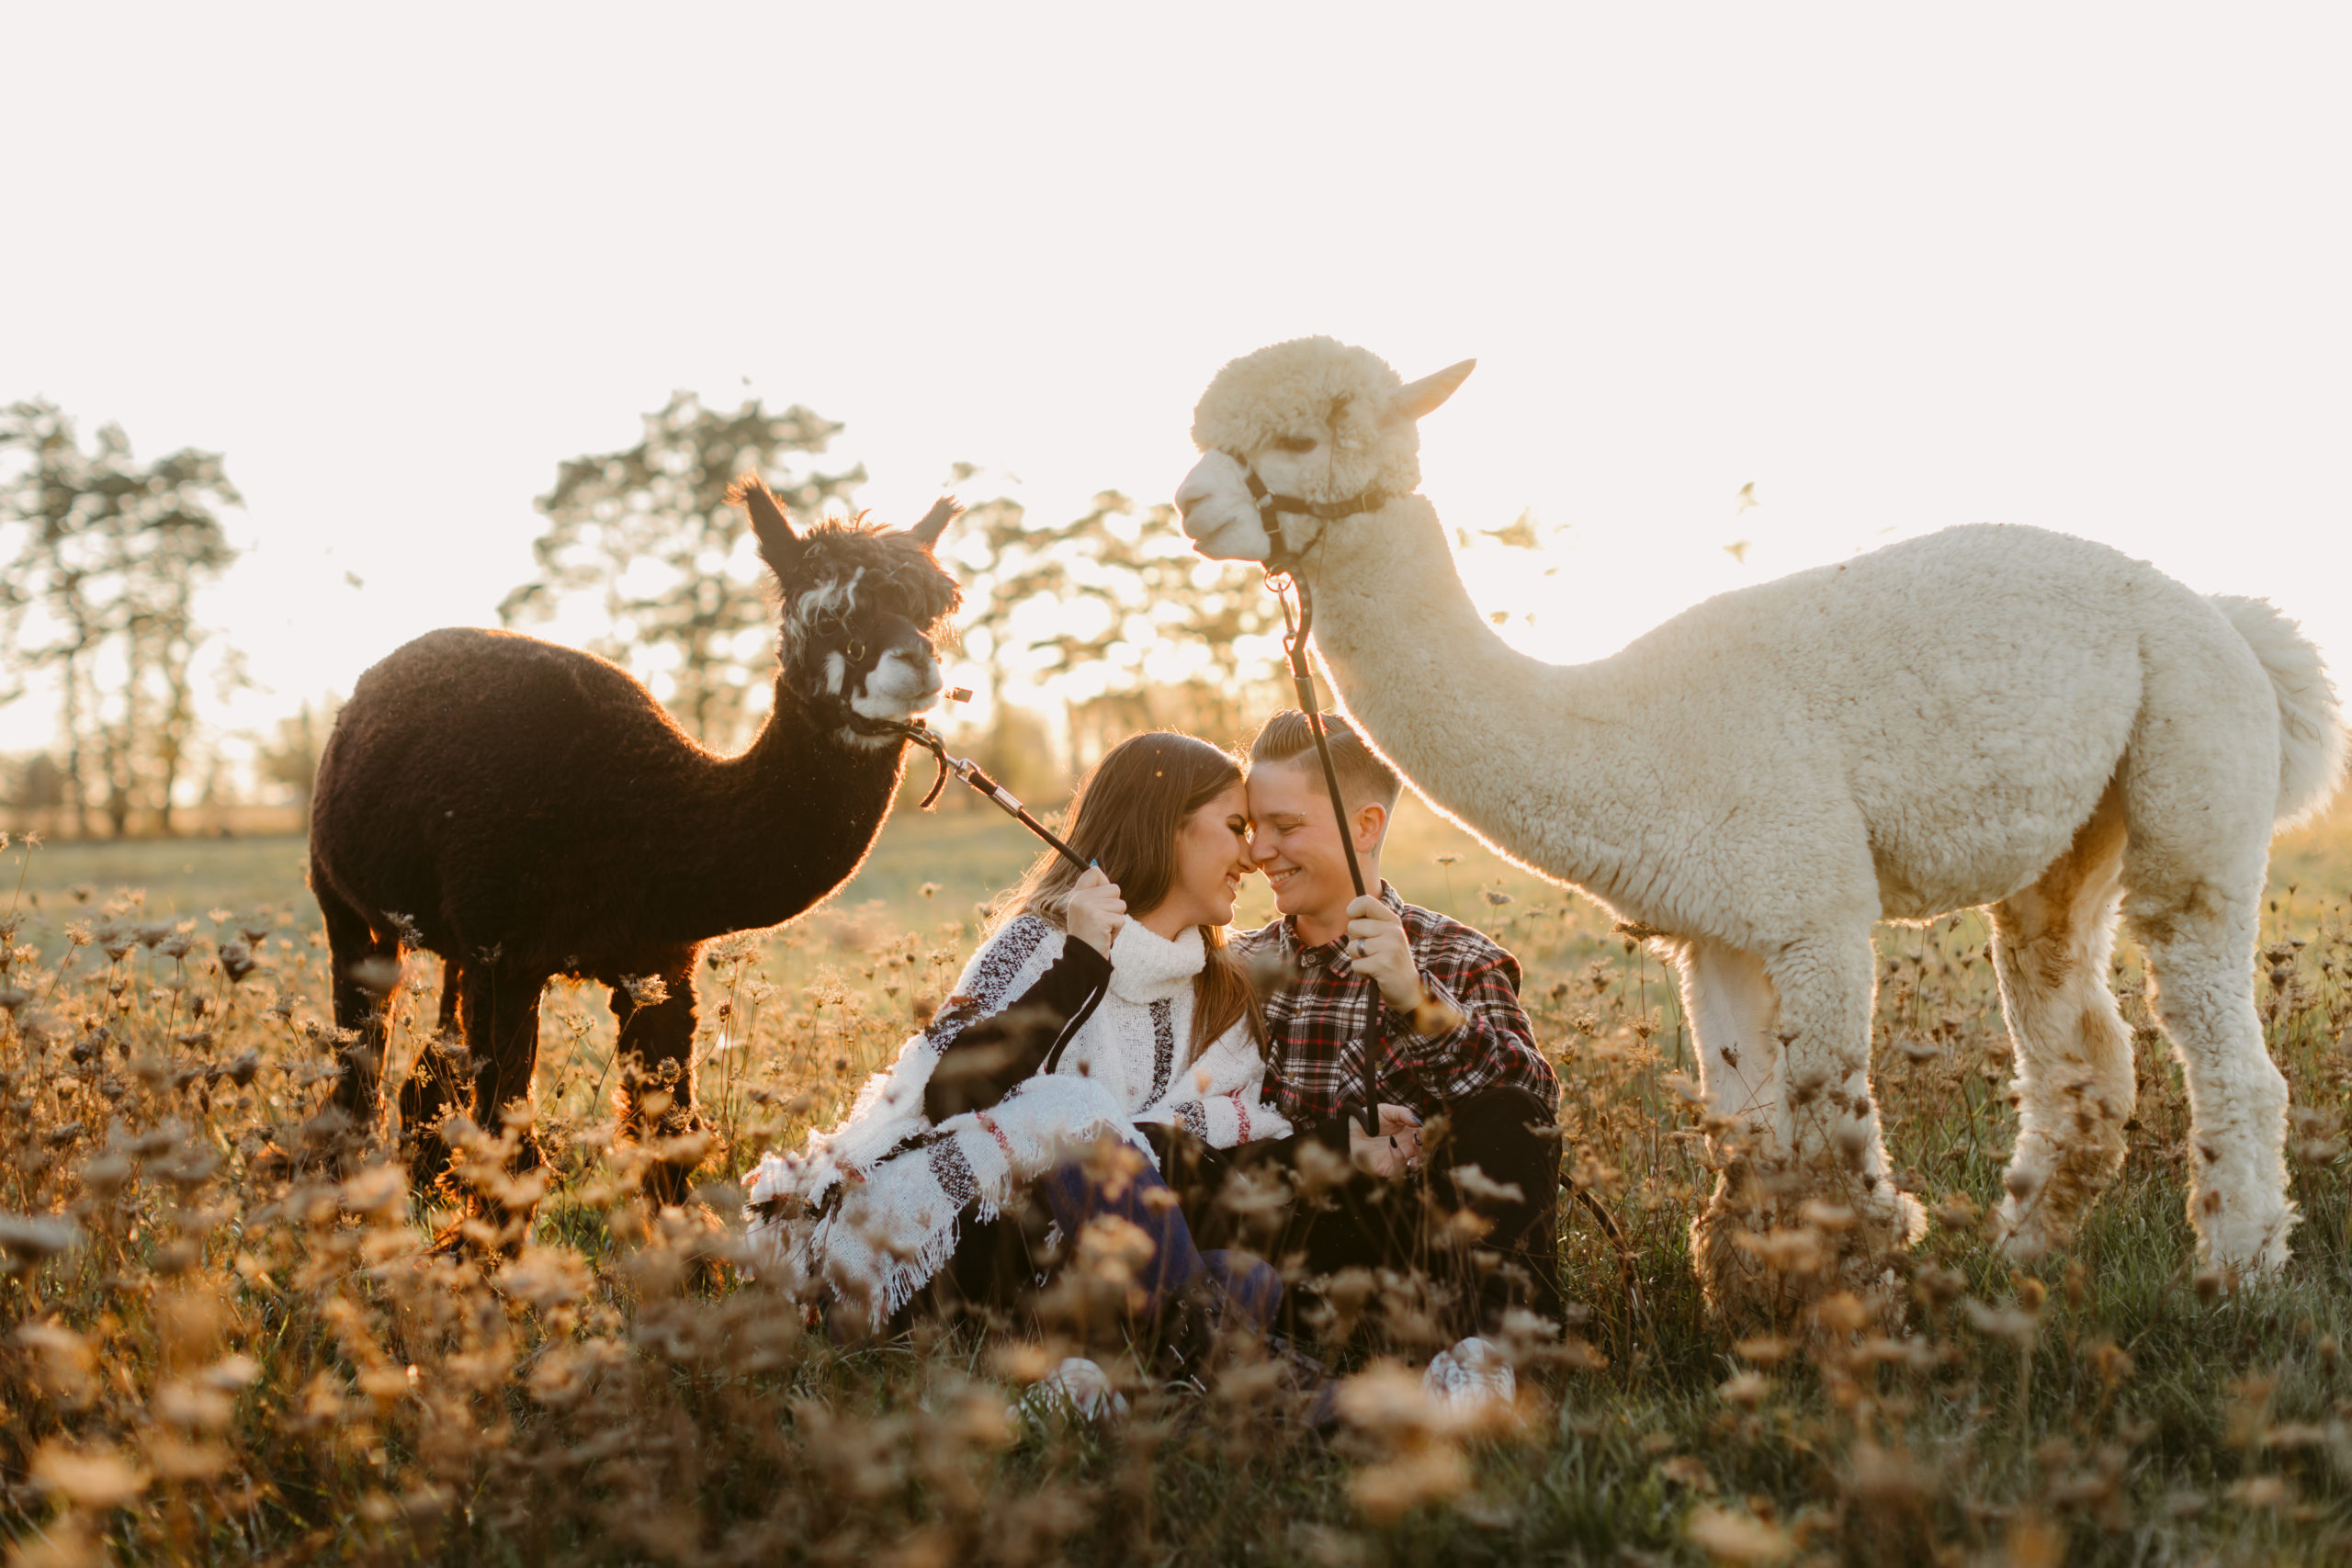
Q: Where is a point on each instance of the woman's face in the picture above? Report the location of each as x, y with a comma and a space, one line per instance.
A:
1212, 857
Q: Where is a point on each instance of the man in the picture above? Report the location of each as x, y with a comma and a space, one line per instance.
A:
1454, 1042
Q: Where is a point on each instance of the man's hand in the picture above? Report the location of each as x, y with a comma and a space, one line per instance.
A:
1378, 946
1094, 912
1393, 1150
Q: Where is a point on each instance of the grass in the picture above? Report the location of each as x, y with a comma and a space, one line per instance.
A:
207, 1354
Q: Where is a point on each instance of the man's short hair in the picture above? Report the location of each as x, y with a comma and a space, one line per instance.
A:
1365, 779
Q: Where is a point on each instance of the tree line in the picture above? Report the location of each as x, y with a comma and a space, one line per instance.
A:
1081, 631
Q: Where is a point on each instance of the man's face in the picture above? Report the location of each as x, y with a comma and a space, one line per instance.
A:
1295, 841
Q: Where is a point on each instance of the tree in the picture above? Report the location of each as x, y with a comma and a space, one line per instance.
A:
36, 788
651, 529
1115, 618
290, 758
104, 560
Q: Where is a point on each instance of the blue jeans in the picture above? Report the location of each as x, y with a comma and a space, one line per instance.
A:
1249, 1288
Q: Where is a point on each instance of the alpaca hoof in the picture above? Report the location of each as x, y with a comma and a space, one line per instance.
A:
427, 1159
1895, 1219
2244, 1247
2024, 1233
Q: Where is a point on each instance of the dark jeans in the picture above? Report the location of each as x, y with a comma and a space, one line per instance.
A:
994, 1261
1408, 1223
1248, 1290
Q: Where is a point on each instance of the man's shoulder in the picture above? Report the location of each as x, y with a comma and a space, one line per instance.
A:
1436, 935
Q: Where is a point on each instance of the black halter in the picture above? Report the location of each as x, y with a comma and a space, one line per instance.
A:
1286, 574
1280, 559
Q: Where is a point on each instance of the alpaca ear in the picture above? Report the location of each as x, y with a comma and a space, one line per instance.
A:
944, 510
1414, 398
779, 545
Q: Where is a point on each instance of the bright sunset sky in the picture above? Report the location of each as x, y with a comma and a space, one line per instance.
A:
2084, 267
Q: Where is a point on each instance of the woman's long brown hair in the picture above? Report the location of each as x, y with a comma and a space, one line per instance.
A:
1127, 817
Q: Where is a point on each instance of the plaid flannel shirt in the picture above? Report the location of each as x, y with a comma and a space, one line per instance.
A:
1318, 1011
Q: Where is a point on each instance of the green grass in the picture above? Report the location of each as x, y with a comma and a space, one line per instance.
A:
2149, 1420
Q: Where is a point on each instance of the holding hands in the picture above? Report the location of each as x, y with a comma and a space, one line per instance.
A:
1393, 1150
1094, 911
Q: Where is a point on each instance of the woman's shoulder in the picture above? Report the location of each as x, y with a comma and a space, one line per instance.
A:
1026, 931
1016, 945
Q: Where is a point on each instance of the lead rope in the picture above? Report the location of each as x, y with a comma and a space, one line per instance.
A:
1003, 800
1295, 627
969, 771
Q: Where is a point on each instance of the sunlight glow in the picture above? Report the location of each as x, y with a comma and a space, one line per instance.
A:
1893, 270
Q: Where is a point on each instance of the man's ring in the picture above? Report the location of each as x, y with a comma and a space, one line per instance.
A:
1356, 947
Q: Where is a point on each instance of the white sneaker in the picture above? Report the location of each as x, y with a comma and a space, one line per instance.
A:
1470, 1378
1079, 1388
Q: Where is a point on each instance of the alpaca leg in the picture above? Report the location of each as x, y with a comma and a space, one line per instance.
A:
2199, 795
360, 958
2051, 945
1732, 1009
499, 1008
660, 1035
1836, 1154
2201, 973
434, 1081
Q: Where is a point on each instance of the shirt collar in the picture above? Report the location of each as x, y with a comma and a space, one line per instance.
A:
1333, 954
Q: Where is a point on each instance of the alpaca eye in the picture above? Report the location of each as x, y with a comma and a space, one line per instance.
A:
1296, 444
856, 651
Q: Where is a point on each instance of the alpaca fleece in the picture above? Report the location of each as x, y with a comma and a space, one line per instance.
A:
871, 1210
1988, 716
527, 810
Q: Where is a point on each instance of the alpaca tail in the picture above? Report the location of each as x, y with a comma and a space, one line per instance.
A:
2312, 743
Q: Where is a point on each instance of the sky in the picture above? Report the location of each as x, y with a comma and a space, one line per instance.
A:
2082, 267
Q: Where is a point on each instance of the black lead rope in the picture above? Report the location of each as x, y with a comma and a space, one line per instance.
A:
998, 796
1282, 576
969, 771
1295, 630
1282, 579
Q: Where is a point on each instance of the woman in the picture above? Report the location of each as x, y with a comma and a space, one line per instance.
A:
1104, 1005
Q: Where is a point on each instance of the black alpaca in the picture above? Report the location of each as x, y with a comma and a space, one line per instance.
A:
525, 810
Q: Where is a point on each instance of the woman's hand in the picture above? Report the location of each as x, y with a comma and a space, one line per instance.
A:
1094, 911
1393, 1150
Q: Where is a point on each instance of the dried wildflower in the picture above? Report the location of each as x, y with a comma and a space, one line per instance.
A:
32, 1240
88, 1478
2263, 1492
64, 1362
2012, 1324
379, 975
1744, 1388
1765, 1350
1729, 1537
1431, 1473
546, 1277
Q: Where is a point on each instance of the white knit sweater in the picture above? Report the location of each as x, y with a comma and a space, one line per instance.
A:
869, 1210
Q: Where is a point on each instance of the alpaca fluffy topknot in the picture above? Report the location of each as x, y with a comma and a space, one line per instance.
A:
889, 563
1318, 384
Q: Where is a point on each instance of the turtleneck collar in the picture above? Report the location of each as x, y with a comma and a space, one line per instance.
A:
1145, 966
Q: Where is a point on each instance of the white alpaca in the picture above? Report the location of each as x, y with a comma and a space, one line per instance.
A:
1986, 716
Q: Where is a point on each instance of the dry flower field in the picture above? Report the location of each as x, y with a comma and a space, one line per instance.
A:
209, 1353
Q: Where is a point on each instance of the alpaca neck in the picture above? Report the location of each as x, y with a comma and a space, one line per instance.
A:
783, 824
1437, 690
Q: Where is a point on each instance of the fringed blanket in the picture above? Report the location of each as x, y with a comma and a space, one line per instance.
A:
870, 1211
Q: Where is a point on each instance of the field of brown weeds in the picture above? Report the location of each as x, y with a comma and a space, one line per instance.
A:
209, 1352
